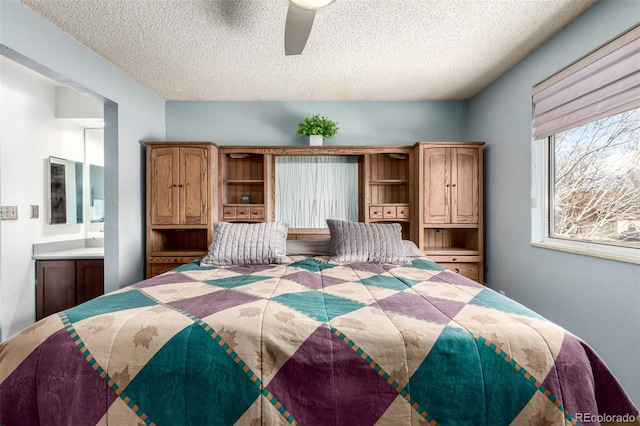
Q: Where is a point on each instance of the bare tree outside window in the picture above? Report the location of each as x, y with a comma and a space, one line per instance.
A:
596, 181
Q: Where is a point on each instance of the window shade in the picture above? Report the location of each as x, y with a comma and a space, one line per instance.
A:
603, 83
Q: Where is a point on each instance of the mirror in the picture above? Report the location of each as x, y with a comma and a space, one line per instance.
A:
76, 189
94, 196
96, 193
65, 191
311, 189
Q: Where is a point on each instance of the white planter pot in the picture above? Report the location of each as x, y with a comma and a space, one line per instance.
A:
315, 140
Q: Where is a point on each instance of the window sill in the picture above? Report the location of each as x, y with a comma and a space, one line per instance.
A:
622, 254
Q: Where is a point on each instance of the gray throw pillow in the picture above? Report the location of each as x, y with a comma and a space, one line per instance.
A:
366, 242
247, 244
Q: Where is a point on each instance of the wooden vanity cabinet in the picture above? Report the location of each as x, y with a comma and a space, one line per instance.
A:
63, 284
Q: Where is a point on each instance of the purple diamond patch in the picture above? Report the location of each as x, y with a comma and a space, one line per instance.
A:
453, 278
202, 306
375, 268
574, 366
65, 377
323, 383
165, 279
249, 269
313, 281
430, 309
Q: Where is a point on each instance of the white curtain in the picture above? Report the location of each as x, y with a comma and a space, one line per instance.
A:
311, 189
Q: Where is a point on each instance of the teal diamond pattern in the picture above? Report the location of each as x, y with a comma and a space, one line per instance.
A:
463, 381
427, 265
491, 299
236, 281
390, 282
449, 382
193, 266
108, 303
314, 305
312, 265
217, 382
503, 407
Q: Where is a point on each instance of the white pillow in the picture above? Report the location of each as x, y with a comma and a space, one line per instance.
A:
366, 242
411, 249
247, 244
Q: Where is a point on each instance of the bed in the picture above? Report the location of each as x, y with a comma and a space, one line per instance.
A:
305, 340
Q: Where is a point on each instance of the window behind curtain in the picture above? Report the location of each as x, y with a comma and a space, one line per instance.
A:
595, 181
311, 189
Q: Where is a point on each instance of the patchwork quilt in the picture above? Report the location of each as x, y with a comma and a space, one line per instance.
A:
311, 343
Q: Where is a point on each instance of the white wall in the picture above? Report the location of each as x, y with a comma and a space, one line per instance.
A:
30, 133
596, 299
132, 114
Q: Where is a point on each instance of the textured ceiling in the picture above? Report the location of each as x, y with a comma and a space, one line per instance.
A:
233, 50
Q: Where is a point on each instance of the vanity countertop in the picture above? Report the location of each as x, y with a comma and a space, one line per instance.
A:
68, 250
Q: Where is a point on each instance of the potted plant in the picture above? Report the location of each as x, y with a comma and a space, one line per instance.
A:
317, 127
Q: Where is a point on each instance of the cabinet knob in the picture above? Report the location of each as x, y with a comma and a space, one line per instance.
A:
453, 184
457, 270
454, 259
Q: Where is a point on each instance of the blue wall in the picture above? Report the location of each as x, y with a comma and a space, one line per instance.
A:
597, 299
274, 123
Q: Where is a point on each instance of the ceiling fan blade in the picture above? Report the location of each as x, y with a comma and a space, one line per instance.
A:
297, 29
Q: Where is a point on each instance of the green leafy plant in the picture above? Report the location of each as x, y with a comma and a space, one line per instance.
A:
317, 125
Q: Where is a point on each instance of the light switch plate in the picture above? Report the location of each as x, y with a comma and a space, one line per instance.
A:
35, 211
8, 212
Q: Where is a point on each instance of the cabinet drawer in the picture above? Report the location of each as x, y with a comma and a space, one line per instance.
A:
375, 212
180, 260
469, 270
243, 213
161, 268
453, 258
402, 212
160, 265
389, 212
257, 212
229, 212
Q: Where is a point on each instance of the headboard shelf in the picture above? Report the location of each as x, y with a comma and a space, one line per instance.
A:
432, 189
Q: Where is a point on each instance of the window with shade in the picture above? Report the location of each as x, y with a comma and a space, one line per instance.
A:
586, 171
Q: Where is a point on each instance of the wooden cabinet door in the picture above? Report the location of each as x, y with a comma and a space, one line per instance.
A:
465, 185
89, 279
194, 203
452, 185
165, 178
437, 186
56, 286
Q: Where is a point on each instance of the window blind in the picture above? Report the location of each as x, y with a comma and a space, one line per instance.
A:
603, 83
